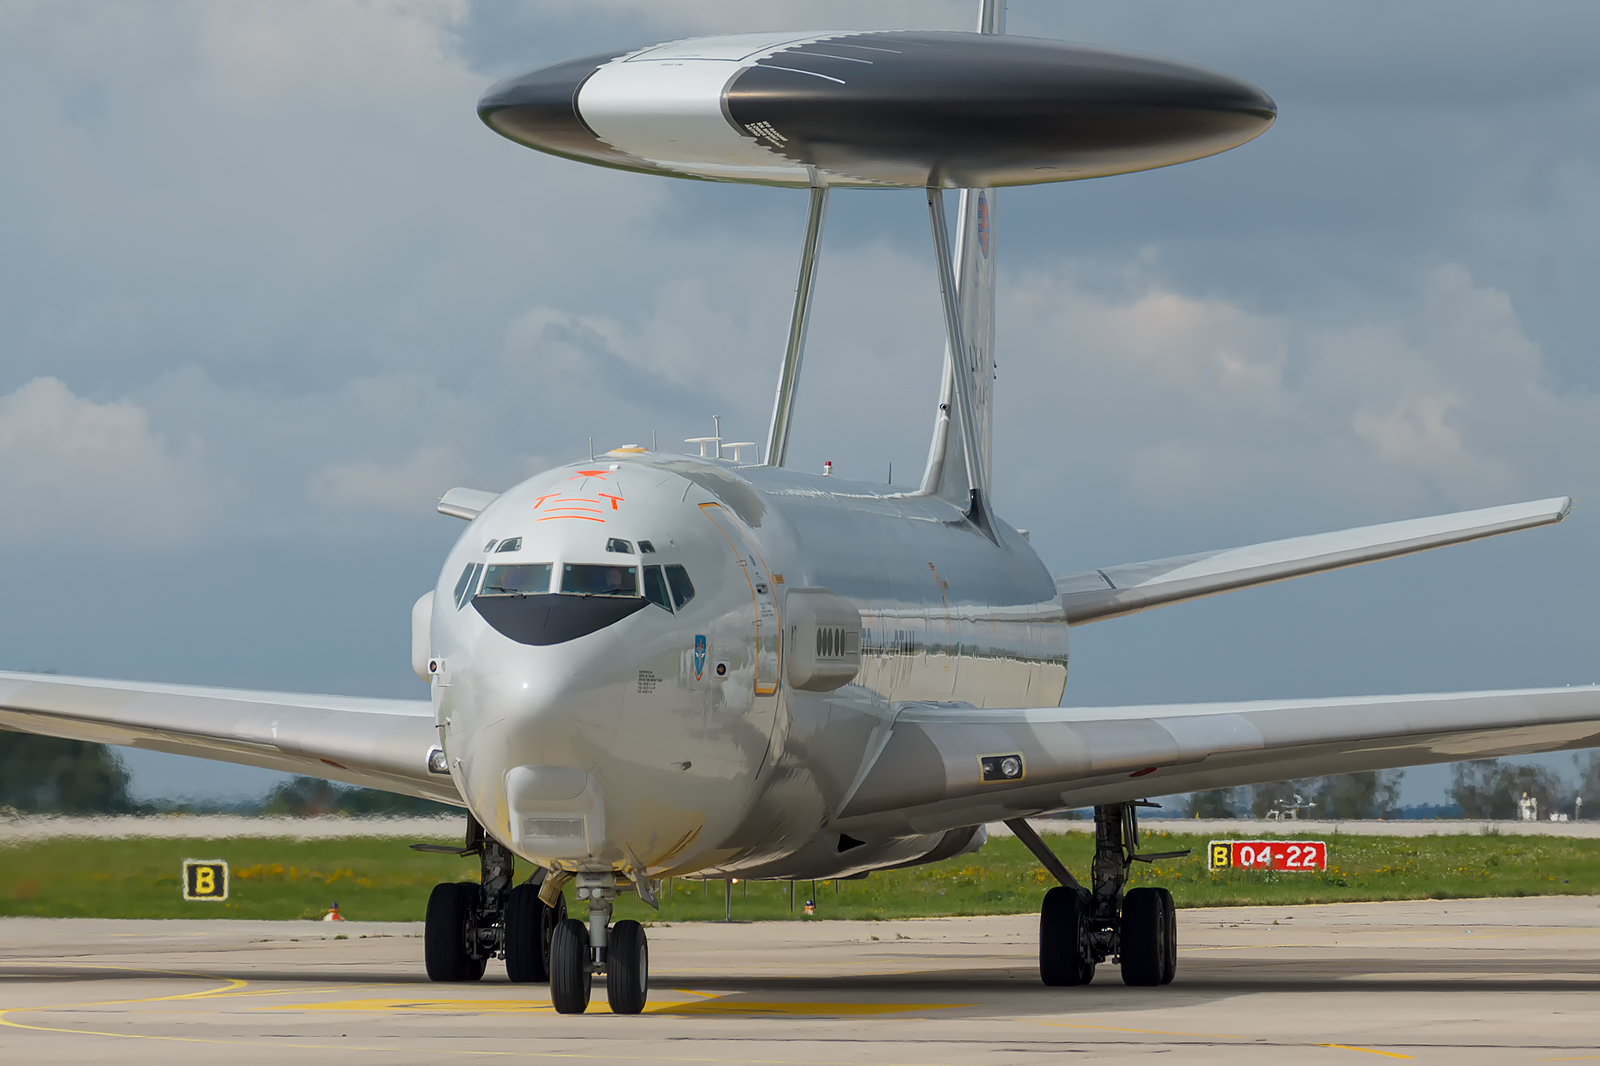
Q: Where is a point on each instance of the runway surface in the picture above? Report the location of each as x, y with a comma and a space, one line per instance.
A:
1460, 982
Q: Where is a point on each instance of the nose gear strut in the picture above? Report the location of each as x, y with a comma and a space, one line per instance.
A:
1079, 927
618, 950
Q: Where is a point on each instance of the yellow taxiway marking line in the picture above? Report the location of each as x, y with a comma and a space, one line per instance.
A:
711, 1003
1147, 1032
1369, 1051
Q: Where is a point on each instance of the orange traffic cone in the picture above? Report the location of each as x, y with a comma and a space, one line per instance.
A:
333, 914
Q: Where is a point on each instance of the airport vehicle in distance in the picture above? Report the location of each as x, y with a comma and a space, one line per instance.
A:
649, 665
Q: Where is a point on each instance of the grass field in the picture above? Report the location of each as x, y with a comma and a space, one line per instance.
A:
382, 880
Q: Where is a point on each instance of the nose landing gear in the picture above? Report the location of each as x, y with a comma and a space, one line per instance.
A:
1080, 928
619, 951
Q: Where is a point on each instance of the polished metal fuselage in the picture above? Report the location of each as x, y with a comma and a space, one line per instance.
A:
673, 743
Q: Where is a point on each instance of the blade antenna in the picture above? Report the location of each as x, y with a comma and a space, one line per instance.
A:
789, 375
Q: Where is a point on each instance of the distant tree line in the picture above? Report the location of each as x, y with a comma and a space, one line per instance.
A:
46, 775
1371, 794
1481, 788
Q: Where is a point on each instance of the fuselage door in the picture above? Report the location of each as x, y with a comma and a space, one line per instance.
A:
769, 634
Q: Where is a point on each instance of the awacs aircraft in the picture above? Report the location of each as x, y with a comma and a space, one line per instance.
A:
650, 665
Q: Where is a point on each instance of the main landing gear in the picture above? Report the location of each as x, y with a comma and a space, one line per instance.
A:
619, 951
468, 924
1080, 928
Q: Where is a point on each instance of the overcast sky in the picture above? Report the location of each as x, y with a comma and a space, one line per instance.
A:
268, 288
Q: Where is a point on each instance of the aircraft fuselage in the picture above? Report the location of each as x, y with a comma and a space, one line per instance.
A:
596, 717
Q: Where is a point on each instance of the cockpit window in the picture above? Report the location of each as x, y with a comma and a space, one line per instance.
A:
655, 588
489, 547
600, 580
464, 584
510, 544
646, 548
616, 544
682, 587
520, 579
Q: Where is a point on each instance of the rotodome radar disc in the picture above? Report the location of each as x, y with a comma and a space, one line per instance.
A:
892, 109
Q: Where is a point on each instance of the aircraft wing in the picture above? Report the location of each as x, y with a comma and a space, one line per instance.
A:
380, 744
927, 770
1091, 595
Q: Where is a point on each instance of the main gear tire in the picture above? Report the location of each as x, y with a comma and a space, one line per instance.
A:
530, 926
449, 932
1063, 946
1144, 937
1169, 964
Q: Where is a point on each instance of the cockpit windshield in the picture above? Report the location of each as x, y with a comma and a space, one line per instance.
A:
600, 580
516, 579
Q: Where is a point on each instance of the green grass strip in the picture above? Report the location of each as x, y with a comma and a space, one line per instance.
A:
383, 880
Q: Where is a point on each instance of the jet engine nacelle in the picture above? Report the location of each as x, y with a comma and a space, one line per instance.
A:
421, 641
824, 646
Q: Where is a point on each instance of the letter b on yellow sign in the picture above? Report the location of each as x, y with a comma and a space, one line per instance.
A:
205, 879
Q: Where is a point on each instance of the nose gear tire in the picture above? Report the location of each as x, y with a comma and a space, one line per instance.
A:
627, 968
569, 967
1064, 958
449, 932
530, 926
1144, 937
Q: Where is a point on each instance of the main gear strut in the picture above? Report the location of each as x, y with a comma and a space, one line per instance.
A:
1079, 927
468, 924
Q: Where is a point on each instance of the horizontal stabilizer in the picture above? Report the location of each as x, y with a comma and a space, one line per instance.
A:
383, 744
466, 503
1090, 595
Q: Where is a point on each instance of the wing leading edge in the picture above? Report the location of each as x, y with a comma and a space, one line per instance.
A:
1092, 595
375, 743
930, 775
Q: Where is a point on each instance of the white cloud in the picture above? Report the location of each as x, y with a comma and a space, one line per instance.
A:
1195, 405
409, 487
73, 470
